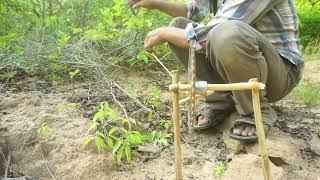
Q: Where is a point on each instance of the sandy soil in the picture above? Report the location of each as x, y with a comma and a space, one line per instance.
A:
293, 143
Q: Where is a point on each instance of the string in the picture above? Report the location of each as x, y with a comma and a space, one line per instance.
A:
158, 60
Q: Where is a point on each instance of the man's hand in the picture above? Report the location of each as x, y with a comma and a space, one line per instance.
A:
140, 3
171, 8
161, 35
153, 39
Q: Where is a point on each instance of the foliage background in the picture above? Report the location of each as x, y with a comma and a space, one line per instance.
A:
54, 37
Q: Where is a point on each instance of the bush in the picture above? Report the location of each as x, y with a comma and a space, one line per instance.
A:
51, 36
309, 16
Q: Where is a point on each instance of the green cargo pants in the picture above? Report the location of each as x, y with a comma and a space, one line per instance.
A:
236, 52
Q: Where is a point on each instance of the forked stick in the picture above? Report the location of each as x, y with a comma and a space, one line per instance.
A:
176, 126
260, 131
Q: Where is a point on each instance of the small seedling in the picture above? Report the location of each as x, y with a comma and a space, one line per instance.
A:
218, 169
119, 138
160, 138
156, 92
74, 73
44, 130
165, 123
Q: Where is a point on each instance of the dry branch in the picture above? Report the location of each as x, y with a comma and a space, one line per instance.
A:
52, 176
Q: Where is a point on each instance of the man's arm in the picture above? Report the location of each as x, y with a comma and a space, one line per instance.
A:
161, 35
170, 8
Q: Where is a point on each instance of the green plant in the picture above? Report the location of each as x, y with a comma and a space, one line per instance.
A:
307, 92
156, 93
160, 138
74, 73
165, 123
44, 130
218, 169
116, 133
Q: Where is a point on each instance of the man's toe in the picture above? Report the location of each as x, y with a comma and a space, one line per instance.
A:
252, 131
244, 133
202, 121
237, 130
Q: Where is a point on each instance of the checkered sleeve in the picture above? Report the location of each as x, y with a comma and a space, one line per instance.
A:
198, 9
248, 11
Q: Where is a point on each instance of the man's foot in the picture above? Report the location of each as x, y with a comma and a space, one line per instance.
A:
209, 117
245, 130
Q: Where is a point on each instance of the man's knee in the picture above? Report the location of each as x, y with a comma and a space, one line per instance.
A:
226, 38
226, 33
179, 22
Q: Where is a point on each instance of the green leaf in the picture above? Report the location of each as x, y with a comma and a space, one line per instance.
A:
120, 154
86, 141
128, 152
73, 74
142, 56
219, 169
150, 116
112, 130
112, 114
110, 143
92, 127
44, 130
101, 134
99, 143
116, 147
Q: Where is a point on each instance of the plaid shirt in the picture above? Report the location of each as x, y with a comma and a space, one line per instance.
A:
276, 19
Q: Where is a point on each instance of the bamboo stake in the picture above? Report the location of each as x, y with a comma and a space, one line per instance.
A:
176, 126
221, 87
260, 131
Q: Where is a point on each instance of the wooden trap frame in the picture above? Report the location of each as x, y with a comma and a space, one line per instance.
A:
198, 89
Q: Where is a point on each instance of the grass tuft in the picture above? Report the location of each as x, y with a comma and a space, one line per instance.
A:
307, 92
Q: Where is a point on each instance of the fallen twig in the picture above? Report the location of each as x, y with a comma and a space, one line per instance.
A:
52, 176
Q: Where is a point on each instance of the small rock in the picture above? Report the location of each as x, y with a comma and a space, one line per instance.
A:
231, 144
307, 121
315, 144
282, 149
169, 163
150, 177
187, 161
149, 148
248, 167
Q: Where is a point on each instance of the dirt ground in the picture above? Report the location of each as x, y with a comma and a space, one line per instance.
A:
293, 143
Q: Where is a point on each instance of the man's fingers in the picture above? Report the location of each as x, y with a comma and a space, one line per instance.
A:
149, 47
138, 5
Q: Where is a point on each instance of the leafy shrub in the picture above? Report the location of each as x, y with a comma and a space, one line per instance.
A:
309, 16
116, 133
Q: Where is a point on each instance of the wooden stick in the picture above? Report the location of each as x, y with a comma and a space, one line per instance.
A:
176, 126
260, 132
158, 60
221, 87
44, 161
